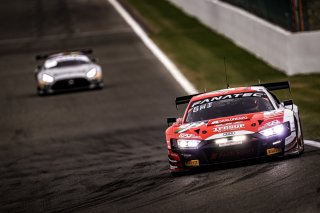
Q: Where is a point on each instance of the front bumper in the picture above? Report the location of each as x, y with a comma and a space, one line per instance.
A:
209, 153
69, 85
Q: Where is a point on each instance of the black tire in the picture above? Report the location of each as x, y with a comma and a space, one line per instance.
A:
40, 92
101, 85
300, 143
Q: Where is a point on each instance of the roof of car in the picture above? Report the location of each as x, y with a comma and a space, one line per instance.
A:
52, 60
66, 54
228, 92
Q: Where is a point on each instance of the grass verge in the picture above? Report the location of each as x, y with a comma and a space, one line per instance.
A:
199, 53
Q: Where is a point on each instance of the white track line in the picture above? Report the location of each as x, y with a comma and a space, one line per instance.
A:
174, 71
312, 143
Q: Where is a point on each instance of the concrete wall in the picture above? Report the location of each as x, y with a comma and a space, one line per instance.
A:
291, 52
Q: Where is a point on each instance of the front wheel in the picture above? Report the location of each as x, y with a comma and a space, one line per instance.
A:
300, 142
40, 92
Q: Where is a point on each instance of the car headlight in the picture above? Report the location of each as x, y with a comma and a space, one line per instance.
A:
183, 143
221, 141
273, 131
92, 73
238, 139
47, 78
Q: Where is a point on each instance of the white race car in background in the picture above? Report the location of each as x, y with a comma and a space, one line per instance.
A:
65, 71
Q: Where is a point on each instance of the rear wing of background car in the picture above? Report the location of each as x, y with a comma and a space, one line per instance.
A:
46, 55
276, 85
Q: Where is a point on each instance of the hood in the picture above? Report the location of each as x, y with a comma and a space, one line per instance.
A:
225, 126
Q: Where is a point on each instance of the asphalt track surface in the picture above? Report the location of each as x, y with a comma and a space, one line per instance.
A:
104, 150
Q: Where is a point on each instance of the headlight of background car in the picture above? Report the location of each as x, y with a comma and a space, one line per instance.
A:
47, 78
187, 143
277, 130
92, 73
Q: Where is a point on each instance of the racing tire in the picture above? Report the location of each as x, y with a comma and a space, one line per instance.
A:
100, 86
40, 92
300, 141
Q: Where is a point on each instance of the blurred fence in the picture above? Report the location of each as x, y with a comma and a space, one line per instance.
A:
292, 15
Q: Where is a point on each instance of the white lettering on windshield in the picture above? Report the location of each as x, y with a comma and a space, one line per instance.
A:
224, 97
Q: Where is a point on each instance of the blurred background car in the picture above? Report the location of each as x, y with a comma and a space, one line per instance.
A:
68, 71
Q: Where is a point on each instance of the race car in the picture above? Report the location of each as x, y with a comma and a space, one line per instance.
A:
232, 125
67, 71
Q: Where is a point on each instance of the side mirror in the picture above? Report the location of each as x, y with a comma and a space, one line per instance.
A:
171, 121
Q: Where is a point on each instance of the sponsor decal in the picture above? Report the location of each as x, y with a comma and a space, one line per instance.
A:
273, 151
268, 115
224, 97
228, 127
272, 123
227, 120
186, 127
184, 135
192, 163
228, 133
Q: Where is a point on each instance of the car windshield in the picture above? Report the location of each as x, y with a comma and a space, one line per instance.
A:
228, 105
66, 61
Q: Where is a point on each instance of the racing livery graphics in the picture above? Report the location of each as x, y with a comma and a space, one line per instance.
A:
67, 71
232, 125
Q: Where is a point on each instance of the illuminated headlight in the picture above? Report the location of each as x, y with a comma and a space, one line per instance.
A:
47, 78
232, 141
273, 131
221, 141
239, 138
183, 143
92, 73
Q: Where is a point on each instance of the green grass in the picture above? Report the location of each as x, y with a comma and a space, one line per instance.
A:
199, 53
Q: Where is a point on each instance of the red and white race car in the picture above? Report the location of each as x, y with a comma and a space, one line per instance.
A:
233, 124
